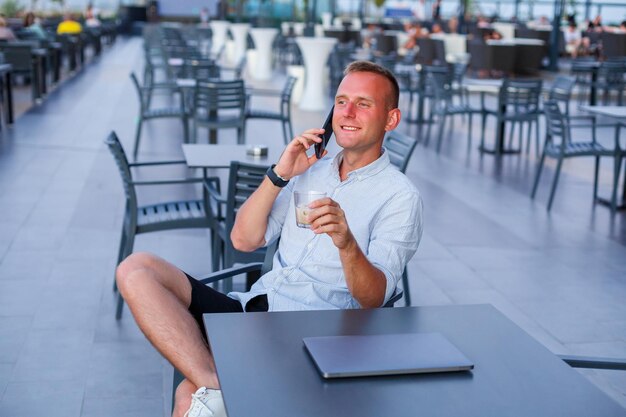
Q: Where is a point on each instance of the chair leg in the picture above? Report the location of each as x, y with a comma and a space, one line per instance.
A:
469, 132
554, 182
407, 290
616, 173
120, 256
430, 123
482, 133
185, 130
537, 175
119, 309
240, 136
137, 138
442, 128
538, 144
595, 177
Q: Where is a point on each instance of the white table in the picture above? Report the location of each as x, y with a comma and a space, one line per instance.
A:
219, 29
240, 38
263, 38
615, 112
315, 53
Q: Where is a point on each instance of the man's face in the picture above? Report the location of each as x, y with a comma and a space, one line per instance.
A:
361, 114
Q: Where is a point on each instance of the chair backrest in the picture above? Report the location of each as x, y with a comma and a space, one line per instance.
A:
612, 73
139, 90
119, 155
521, 95
220, 95
400, 148
582, 69
243, 180
556, 126
561, 91
438, 86
201, 69
285, 96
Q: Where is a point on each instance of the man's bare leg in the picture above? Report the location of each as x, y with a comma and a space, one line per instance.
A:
182, 399
158, 295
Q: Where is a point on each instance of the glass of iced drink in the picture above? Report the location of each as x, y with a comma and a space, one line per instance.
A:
302, 200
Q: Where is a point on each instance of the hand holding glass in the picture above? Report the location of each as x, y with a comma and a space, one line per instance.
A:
302, 200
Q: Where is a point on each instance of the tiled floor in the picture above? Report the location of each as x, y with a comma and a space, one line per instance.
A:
560, 276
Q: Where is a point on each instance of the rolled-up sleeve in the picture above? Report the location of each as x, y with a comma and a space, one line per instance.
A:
397, 231
277, 216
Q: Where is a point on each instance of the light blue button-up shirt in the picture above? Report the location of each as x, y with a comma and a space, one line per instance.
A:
384, 212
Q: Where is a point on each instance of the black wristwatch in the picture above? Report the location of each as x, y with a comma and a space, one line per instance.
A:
276, 179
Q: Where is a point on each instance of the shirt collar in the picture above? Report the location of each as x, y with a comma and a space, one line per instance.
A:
369, 170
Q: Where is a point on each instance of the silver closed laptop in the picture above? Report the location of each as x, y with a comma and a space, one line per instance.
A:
388, 354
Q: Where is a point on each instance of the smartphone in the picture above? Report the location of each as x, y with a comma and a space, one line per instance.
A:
328, 132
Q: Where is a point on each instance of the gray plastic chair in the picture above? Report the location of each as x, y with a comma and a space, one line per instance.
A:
243, 180
560, 145
168, 215
400, 149
518, 102
220, 105
146, 113
283, 115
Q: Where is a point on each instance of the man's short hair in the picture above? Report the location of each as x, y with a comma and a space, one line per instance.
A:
367, 66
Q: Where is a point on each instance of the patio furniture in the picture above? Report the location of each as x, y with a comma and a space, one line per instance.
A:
161, 216
146, 113
400, 149
444, 106
243, 180
518, 102
283, 115
219, 105
560, 145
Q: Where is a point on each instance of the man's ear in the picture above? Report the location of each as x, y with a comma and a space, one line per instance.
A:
393, 119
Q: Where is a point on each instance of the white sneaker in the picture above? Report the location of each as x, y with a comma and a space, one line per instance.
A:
206, 403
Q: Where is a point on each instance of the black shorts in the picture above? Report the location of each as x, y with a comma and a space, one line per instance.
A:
205, 299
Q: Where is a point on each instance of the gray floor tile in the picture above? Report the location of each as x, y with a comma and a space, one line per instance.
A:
123, 407
51, 355
5, 375
41, 398
124, 369
13, 333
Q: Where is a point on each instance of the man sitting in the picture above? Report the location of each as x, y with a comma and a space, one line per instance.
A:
360, 239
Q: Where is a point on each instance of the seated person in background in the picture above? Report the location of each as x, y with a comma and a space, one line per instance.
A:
369, 33
6, 34
492, 35
69, 26
436, 28
622, 26
453, 25
33, 25
414, 31
91, 17
575, 44
360, 239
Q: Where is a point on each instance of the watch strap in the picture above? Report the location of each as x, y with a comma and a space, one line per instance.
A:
276, 179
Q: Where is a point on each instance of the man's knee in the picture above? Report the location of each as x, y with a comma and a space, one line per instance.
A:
129, 273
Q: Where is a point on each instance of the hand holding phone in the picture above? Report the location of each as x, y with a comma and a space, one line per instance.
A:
328, 132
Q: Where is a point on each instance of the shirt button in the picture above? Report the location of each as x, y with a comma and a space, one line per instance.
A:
310, 245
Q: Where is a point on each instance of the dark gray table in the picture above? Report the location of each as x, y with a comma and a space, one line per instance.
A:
264, 369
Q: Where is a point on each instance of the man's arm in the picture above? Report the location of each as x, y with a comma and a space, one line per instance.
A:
248, 232
366, 283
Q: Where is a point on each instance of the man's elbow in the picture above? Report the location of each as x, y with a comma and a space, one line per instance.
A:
243, 243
